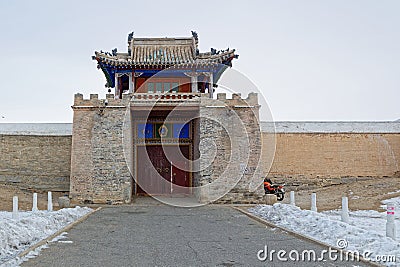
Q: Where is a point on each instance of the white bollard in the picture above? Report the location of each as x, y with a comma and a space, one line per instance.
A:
34, 204
292, 200
15, 208
390, 226
345, 210
314, 202
49, 202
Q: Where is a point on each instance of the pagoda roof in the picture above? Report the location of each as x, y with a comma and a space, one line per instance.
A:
163, 53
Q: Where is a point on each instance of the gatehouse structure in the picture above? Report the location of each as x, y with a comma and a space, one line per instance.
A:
162, 131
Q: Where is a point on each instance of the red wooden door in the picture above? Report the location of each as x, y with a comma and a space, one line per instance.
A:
180, 170
163, 168
156, 170
180, 180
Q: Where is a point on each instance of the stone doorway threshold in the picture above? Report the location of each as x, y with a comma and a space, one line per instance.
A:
178, 201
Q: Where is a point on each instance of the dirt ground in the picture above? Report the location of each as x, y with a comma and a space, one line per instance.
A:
25, 197
363, 195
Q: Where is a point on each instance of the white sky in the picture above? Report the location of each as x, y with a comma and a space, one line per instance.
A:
313, 60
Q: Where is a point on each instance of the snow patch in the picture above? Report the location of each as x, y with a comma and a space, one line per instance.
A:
31, 227
395, 192
365, 232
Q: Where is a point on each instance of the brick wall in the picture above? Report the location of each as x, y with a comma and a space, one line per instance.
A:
230, 149
319, 158
36, 161
99, 172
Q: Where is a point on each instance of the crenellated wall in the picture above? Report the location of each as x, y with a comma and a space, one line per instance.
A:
99, 172
230, 149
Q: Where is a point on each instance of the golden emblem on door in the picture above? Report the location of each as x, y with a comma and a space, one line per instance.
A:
163, 131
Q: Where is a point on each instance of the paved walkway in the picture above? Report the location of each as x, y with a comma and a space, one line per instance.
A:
159, 235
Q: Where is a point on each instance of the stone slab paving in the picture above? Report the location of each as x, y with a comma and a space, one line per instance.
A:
160, 235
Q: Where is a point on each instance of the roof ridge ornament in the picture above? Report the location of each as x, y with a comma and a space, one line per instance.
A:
130, 36
196, 42
195, 36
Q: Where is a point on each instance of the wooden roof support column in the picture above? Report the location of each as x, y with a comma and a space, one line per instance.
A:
193, 75
211, 83
116, 87
131, 83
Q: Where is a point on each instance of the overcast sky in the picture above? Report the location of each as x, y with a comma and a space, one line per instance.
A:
313, 60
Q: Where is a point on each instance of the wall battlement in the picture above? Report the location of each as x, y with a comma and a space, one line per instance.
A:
94, 101
237, 100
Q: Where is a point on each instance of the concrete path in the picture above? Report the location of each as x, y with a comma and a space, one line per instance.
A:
159, 235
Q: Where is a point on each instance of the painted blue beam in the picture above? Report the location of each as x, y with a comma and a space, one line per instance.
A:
109, 72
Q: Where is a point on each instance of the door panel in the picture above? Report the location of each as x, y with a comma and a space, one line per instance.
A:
157, 168
180, 173
151, 164
180, 180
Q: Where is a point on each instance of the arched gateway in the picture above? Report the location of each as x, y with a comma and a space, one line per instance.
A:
150, 136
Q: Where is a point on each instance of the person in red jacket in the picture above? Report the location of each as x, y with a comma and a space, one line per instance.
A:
268, 186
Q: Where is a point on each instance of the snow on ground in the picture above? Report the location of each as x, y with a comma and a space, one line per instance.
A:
395, 192
365, 232
31, 227
395, 201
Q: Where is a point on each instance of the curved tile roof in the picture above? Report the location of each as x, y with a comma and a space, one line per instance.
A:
148, 52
